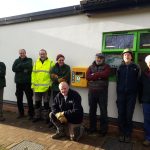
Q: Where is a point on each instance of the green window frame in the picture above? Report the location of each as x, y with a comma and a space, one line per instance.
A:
143, 41
140, 46
123, 38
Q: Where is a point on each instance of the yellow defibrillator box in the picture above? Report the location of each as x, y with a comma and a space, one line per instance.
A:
78, 76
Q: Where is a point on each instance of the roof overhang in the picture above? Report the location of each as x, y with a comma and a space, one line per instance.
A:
98, 5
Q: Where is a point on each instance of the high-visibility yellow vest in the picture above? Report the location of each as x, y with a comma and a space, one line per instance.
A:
40, 78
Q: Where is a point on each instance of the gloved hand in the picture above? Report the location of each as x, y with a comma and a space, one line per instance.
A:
63, 119
54, 75
60, 116
61, 80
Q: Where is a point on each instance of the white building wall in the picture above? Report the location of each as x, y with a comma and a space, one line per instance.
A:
78, 38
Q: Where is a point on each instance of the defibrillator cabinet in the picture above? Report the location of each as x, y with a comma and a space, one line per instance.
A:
78, 76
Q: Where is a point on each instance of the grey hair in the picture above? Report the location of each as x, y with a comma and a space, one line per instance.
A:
22, 50
147, 59
63, 83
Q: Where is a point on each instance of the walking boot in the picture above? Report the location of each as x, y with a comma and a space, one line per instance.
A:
59, 133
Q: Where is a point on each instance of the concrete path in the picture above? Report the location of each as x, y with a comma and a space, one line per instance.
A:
14, 131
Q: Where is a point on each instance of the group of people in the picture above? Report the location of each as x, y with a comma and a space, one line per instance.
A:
130, 83
42, 79
46, 77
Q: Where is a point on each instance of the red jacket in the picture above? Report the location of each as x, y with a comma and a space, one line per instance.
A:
97, 76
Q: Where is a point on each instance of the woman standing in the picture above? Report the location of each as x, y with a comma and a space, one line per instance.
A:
59, 73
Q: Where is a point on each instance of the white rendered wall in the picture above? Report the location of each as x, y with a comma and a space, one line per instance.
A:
78, 38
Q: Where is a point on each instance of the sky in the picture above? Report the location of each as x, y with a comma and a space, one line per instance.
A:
17, 7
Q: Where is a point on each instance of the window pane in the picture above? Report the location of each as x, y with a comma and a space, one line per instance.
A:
119, 41
114, 60
145, 40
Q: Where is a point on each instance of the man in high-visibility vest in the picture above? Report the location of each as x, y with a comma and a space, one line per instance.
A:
41, 85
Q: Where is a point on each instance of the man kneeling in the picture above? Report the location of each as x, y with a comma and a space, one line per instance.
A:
67, 111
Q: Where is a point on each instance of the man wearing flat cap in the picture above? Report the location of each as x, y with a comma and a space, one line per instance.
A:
97, 76
127, 86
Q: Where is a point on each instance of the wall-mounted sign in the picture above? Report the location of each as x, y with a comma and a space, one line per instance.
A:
78, 78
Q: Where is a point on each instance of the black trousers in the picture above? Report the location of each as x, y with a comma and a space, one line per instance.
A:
98, 98
20, 89
1, 101
126, 104
60, 126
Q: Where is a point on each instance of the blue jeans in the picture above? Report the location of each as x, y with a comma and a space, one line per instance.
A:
146, 111
125, 104
100, 98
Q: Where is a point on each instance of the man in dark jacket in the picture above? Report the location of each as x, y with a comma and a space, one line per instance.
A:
2, 85
97, 76
66, 109
144, 97
23, 68
127, 85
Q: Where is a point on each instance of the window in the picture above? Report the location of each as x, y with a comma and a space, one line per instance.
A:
144, 39
119, 41
114, 60
115, 42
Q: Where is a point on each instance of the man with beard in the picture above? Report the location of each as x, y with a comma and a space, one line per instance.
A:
97, 76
